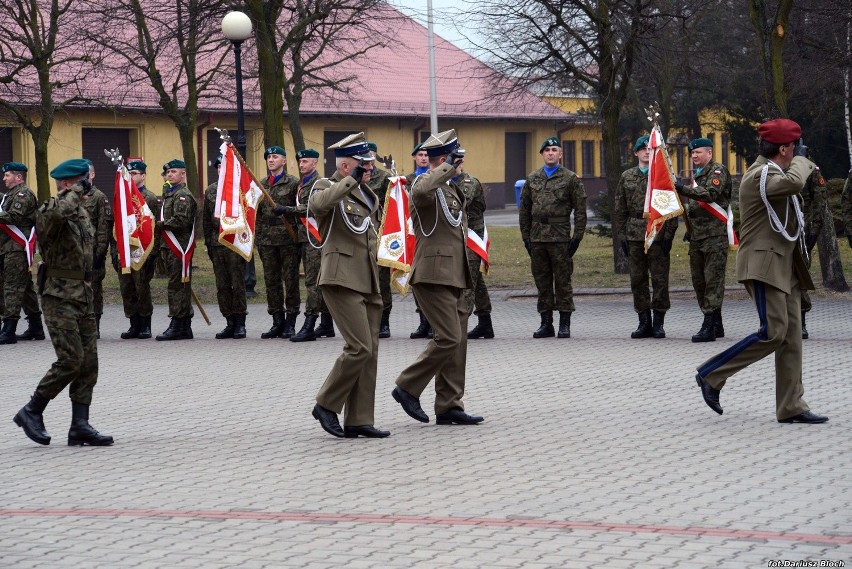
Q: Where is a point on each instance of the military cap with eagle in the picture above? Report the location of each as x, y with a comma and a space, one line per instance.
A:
441, 143
353, 146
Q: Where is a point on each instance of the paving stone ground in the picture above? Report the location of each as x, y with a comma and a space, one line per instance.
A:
597, 451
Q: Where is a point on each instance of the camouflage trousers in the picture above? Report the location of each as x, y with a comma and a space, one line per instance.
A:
73, 332
179, 293
654, 263
281, 273
98, 276
230, 272
478, 301
552, 269
16, 283
806, 298
135, 288
385, 288
311, 259
708, 259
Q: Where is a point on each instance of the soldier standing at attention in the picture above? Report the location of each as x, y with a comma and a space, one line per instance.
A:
813, 206
277, 243
548, 198
630, 225
771, 265
177, 223
66, 242
17, 218
228, 268
708, 236
347, 212
379, 184
421, 166
479, 303
100, 214
439, 276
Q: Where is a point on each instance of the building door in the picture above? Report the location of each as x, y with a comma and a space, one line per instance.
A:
6, 146
516, 163
95, 141
329, 138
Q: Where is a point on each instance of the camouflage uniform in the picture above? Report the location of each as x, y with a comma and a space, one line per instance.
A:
813, 206
545, 219
379, 180
477, 297
279, 253
311, 256
228, 267
630, 225
135, 286
17, 207
178, 214
97, 205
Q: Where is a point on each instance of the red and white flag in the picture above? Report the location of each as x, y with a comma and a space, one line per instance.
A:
480, 246
237, 196
396, 236
134, 223
661, 199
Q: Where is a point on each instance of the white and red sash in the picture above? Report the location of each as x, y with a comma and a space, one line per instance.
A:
480, 246
18, 236
185, 255
726, 217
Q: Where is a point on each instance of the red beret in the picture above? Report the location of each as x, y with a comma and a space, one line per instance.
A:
780, 131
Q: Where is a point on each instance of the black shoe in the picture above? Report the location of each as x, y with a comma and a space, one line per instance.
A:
31, 420
306, 333
171, 332
368, 431
228, 330
458, 417
34, 331
645, 329
384, 325
133, 331
185, 328
805, 334
328, 420
710, 395
424, 330
806, 417
326, 326
239, 326
277, 327
707, 333
81, 432
7, 334
657, 329
98, 325
717, 323
410, 404
289, 325
546, 329
144, 327
564, 325
483, 328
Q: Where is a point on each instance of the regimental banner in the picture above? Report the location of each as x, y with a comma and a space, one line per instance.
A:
661, 199
480, 246
396, 235
237, 196
134, 223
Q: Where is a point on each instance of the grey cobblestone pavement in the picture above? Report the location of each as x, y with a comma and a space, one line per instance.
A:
597, 451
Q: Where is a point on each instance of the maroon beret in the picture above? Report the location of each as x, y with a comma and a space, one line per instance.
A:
780, 131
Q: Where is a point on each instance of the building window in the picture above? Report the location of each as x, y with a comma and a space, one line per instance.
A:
588, 158
569, 154
725, 150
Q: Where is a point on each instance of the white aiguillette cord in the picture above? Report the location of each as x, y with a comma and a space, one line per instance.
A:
774, 220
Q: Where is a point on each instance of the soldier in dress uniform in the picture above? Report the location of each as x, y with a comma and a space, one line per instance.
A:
549, 197
347, 212
66, 242
439, 276
630, 225
479, 303
99, 207
813, 206
421, 166
379, 181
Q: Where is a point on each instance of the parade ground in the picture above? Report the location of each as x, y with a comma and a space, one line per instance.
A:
596, 451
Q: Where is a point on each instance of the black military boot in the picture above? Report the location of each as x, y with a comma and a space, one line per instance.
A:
306, 334
384, 327
81, 432
708, 330
277, 327
98, 325
645, 330
805, 334
7, 334
424, 330
133, 331
717, 323
172, 332
326, 327
144, 327
657, 328
34, 330
564, 325
31, 420
239, 326
228, 330
289, 325
186, 328
546, 328
483, 328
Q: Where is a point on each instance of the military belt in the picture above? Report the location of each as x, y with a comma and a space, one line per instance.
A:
548, 220
68, 274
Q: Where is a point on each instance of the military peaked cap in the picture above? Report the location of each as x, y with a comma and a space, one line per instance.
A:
641, 143
779, 131
13, 167
353, 146
307, 153
441, 143
70, 169
274, 150
700, 143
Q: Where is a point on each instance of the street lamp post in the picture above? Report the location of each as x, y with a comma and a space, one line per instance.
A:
236, 26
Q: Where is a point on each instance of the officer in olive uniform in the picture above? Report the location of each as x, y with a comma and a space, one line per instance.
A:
66, 241
379, 181
177, 224
277, 242
347, 212
846, 207
813, 206
478, 301
439, 276
100, 214
17, 219
548, 198
421, 166
708, 236
229, 269
630, 225
135, 286
771, 265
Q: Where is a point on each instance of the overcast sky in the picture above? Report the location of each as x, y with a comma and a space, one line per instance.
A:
442, 25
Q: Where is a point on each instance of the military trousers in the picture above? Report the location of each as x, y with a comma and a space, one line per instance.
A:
281, 274
552, 268
806, 298
179, 293
311, 260
708, 260
73, 331
445, 356
135, 288
229, 270
351, 384
654, 265
16, 281
478, 301
779, 333
98, 276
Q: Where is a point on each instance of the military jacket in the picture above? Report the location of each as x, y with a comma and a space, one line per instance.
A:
547, 203
474, 202
271, 229
97, 204
210, 224
379, 180
846, 204
813, 202
628, 216
712, 185
66, 241
17, 207
178, 214
302, 193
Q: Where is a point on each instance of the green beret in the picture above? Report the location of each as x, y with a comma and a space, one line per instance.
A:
372, 146
175, 164
307, 153
70, 169
700, 143
274, 150
137, 165
13, 167
417, 148
552, 141
641, 143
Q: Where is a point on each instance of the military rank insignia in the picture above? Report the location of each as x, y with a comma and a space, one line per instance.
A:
716, 182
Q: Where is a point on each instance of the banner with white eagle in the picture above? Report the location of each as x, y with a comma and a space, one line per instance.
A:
661, 199
396, 235
237, 197
134, 223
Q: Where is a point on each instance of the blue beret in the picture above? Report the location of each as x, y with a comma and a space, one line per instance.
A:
641, 143
274, 150
70, 169
417, 148
137, 165
552, 141
174, 164
307, 153
13, 167
700, 143
372, 146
